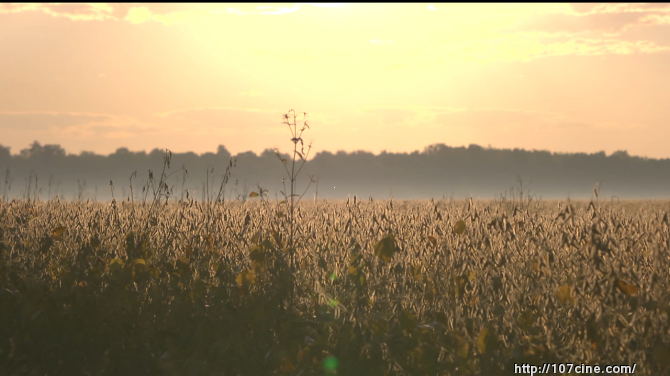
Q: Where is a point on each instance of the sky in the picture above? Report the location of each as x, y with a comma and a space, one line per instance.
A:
374, 77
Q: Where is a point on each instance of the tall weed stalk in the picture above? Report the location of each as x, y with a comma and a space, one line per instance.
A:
300, 156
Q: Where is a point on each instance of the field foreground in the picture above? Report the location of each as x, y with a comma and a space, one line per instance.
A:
365, 288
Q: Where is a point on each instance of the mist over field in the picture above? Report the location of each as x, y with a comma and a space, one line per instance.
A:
436, 172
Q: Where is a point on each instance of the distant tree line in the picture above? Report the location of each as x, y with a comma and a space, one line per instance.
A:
438, 171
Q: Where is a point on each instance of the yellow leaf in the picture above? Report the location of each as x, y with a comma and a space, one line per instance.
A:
253, 194
386, 248
459, 227
57, 233
526, 319
625, 288
463, 350
481, 340
564, 294
210, 246
487, 340
287, 366
115, 264
140, 264
245, 278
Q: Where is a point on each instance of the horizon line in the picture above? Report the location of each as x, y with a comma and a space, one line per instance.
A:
425, 149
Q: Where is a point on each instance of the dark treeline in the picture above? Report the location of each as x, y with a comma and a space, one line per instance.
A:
438, 171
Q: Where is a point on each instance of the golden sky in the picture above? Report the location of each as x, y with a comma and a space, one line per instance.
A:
189, 77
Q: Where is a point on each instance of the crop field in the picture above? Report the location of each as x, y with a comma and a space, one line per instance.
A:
352, 288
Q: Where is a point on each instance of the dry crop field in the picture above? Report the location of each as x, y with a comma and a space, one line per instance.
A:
362, 288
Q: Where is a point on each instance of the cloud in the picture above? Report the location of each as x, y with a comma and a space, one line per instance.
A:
213, 119
75, 12
610, 23
166, 14
462, 118
607, 19
537, 46
138, 15
47, 120
589, 8
485, 119
71, 124
584, 46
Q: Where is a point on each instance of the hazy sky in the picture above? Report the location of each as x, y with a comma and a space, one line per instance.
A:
373, 77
